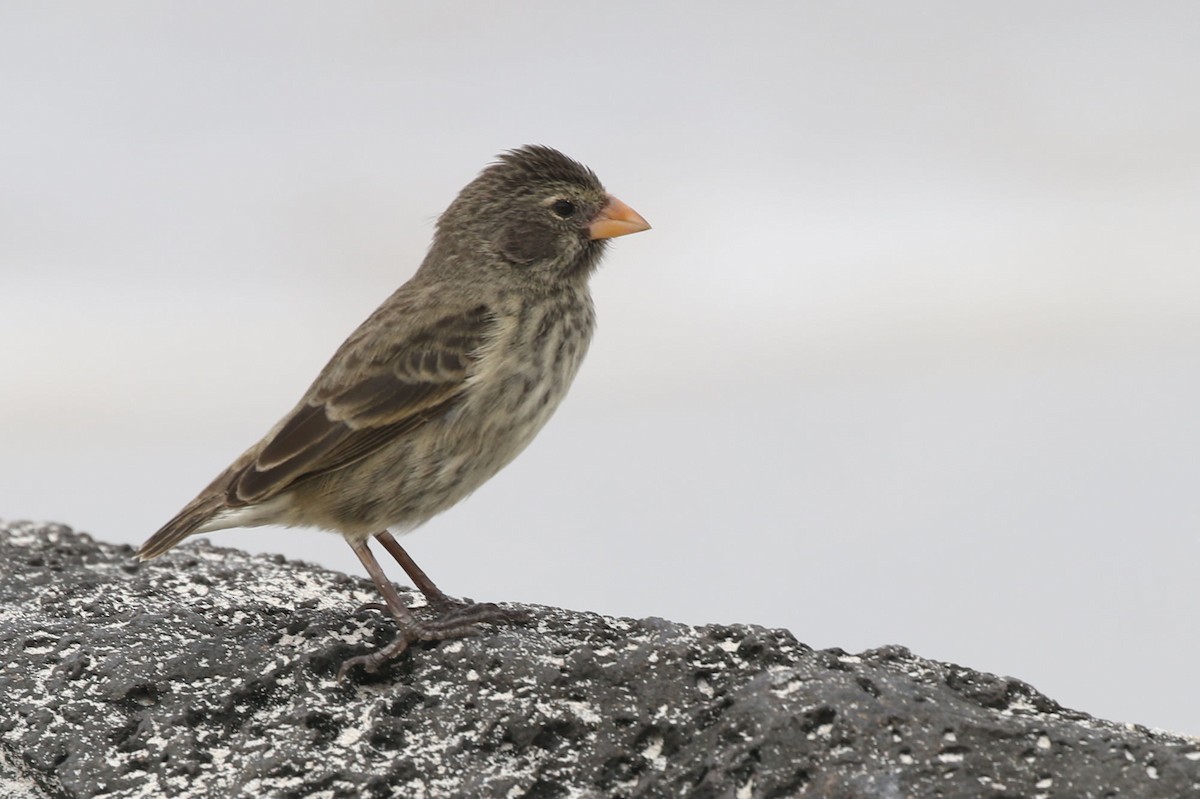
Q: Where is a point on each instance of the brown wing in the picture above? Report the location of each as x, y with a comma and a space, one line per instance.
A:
353, 411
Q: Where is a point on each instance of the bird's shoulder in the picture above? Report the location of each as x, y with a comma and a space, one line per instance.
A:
420, 336
407, 363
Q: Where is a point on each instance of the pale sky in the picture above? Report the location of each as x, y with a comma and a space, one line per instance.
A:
909, 357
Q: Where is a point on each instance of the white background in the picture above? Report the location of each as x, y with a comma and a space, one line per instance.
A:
910, 356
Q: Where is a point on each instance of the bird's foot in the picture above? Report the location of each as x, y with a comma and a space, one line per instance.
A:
455, 620
446, 609
410, 632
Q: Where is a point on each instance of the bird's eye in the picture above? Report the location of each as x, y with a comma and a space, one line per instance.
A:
563, 209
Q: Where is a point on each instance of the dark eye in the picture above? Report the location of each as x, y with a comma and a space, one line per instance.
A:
563, 209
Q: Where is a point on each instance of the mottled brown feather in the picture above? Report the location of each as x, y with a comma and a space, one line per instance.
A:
366, 433
394, 394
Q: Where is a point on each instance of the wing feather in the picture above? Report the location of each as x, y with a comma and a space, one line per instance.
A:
351, 414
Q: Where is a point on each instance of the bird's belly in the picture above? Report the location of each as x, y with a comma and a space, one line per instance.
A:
508, 400
501, 416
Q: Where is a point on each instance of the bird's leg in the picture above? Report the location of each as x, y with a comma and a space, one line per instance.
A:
436, 598
410, 627
446, 606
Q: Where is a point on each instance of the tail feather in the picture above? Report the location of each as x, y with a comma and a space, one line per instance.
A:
188, 521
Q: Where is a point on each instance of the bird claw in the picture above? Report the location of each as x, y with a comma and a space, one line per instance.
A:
481, 612
439, 630
371, 661
457, 620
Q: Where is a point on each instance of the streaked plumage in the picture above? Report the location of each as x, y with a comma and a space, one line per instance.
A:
445, 383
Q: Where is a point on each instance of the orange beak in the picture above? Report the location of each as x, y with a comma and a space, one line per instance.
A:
616, 219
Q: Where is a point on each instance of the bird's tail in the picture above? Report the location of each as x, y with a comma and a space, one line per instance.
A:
188, 521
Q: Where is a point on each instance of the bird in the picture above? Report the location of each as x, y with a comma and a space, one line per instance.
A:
438, 389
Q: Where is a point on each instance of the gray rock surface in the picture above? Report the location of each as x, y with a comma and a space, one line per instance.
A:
212, 673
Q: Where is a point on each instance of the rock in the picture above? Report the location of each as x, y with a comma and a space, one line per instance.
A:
212, 673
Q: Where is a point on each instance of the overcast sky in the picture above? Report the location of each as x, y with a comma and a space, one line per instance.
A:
910, 356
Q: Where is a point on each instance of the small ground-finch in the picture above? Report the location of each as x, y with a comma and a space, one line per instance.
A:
439, 388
